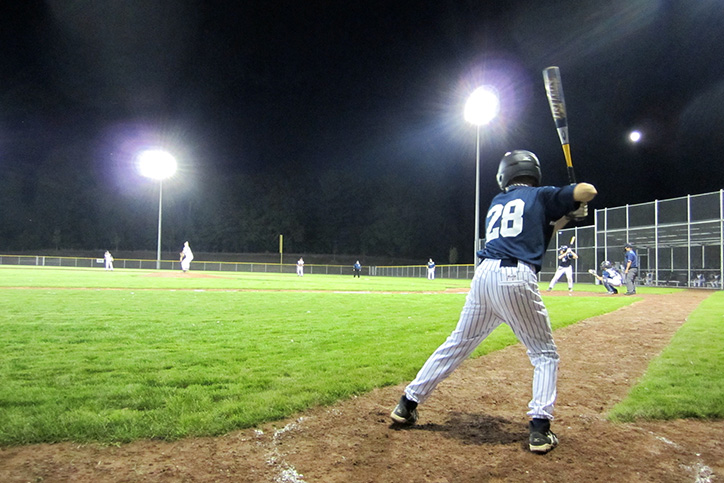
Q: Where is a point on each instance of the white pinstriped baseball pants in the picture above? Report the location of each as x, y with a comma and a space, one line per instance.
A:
498, 295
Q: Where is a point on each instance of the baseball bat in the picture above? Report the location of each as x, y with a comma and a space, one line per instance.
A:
557, 102
573, 239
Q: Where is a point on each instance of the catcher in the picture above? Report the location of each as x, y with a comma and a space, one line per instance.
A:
610, 277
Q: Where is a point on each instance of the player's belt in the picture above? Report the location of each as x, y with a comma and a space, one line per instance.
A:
505, 262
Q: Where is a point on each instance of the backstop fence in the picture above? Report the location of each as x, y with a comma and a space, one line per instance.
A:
679, 242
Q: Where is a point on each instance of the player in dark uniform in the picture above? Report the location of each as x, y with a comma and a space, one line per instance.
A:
632, 269
565, 259
504, 289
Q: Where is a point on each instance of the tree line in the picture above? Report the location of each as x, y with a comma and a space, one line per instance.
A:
71, 203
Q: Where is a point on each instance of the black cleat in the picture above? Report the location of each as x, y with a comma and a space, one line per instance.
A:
542, 439
405, 412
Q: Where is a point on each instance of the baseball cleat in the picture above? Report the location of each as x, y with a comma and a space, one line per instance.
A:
542, 439
403, 413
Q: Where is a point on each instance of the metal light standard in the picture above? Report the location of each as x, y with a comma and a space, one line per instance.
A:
481, 107
160, 165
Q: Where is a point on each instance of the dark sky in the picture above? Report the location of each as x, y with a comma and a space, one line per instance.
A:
294, 88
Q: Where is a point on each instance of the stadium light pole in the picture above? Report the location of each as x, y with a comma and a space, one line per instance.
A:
157, 164
481, 107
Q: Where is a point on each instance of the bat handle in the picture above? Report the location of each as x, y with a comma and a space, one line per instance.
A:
571, 175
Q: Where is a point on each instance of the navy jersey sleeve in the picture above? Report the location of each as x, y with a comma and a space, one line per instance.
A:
519, 222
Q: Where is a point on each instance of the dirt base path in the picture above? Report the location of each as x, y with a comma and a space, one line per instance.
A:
473, 429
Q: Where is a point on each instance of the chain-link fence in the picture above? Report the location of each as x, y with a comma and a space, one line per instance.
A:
679, 241
143, 264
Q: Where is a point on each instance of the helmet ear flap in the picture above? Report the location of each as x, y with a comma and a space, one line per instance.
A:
499, 179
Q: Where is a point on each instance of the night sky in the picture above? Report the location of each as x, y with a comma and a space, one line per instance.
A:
304, 98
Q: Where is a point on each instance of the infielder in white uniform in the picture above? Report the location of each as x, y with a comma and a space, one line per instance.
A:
565, 265
300, 267
186, 257
504, 289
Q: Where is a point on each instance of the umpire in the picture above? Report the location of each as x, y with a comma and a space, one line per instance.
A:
631, 269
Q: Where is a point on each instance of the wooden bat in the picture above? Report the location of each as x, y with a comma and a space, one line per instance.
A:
573, 239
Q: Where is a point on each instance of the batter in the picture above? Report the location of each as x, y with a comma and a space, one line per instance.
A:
565, 260
504, 289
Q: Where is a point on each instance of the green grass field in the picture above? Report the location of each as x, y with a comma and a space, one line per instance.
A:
88, 355
686, 380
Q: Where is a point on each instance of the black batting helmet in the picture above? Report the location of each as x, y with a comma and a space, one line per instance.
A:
518, 163
606, 265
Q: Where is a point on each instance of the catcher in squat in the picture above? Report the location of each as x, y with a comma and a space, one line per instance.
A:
504, 289
610, 278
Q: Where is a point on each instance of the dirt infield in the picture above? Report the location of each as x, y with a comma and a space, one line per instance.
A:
473, 429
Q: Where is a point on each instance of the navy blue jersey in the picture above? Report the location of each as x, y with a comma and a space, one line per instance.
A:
633, 257
519, 222
565, 262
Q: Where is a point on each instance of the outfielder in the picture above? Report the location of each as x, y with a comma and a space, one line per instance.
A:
186, 257
300, 267
565, 260
504, 289
430, 270
109, 260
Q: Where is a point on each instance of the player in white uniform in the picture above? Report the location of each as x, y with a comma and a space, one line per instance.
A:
504, 289
300, 267
109, 260
565, 261
430, 270
186, 257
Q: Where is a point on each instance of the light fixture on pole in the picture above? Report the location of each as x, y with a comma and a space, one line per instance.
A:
157, 164
481, 107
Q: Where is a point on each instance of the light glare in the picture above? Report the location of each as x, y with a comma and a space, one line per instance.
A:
635, 136
482, 106
157, 164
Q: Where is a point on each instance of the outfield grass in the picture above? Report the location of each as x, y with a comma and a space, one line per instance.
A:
148, 360
685, 381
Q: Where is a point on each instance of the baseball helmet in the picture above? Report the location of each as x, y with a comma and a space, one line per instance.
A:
518, 163
606, 265
563, 248
628, 245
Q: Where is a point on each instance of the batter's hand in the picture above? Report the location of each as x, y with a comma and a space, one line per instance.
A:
580, 213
